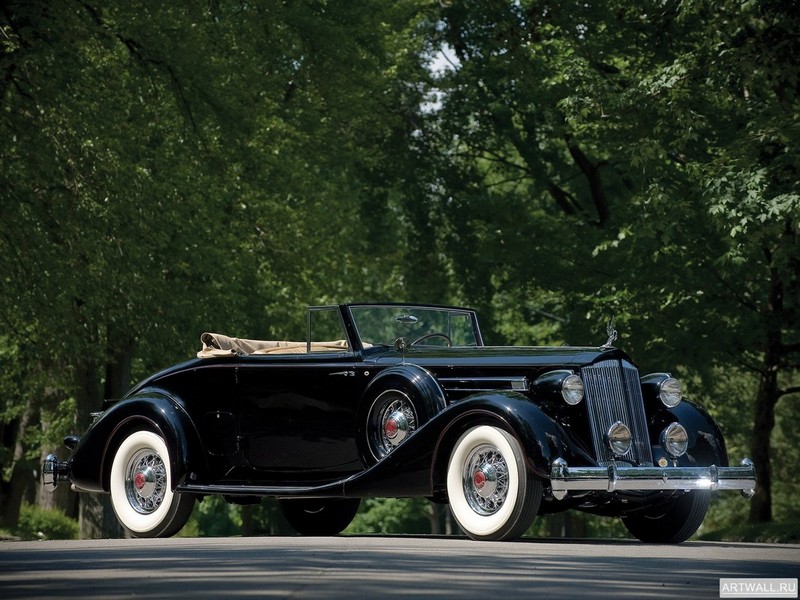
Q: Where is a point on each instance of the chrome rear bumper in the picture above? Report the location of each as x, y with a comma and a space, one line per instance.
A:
54, 472
564, 478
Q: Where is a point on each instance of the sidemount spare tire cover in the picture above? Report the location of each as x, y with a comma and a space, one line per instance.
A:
395, 404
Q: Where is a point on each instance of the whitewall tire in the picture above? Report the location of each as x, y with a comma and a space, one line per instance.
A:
141, 491
491, 493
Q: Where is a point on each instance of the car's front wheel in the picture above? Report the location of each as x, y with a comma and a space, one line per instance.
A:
492, 495
141, 494
319, 516
671, 523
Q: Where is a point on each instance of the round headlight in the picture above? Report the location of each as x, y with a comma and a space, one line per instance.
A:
572, 390
670, 392
619, 438
675, 440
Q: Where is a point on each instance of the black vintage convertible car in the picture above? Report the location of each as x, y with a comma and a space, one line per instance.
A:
396, 400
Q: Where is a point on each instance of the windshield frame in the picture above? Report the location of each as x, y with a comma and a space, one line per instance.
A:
412, 321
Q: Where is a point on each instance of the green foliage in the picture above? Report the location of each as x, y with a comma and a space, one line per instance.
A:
784, 532
39, 523
172, 169
392, 515
213, 517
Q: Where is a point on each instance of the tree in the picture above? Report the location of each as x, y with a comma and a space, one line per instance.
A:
171, 169
637, 161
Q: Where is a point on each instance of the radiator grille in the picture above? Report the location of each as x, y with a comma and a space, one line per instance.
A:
613, 393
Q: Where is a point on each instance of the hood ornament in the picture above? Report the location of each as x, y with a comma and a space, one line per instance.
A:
612, 334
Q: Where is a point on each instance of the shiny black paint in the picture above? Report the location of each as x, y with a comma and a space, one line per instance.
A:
297, 417
90, 463
293, 425
706, 444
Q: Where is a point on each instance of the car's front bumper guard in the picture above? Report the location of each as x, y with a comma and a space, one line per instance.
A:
564, 479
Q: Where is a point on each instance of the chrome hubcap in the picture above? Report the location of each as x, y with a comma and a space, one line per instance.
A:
397, 421
396, 427
485, 481
146, 481
485, 478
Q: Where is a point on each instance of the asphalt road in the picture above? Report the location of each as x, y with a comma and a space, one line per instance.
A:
380, 567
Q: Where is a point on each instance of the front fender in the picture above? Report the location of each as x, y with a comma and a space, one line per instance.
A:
90, 463
418, 467
706, 444
543, 439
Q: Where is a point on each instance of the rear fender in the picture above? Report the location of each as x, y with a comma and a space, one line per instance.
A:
91, 461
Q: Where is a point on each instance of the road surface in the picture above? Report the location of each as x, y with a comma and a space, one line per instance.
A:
381, 567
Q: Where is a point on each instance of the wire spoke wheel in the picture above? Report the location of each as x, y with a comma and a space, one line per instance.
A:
392, 420
486, 480
492, 495
146, 481
140, 486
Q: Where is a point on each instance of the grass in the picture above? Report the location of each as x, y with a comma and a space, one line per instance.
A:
763, 533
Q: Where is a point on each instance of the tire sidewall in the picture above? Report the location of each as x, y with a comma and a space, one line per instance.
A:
485, 526
672, 523
153, 523
319, 516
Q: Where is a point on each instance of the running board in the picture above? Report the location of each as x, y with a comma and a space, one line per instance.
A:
328, 490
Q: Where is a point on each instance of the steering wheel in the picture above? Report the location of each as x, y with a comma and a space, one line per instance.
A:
431, 335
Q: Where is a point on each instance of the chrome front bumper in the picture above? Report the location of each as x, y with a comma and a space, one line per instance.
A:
564, 479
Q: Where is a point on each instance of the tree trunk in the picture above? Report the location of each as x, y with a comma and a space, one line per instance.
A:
766, 399
96, 516
91, 512
763, 424
118, 371
62, 497
13, 492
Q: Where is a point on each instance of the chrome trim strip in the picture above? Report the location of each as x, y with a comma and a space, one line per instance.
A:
564, 478
491, 383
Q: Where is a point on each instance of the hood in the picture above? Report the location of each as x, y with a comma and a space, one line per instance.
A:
503, 356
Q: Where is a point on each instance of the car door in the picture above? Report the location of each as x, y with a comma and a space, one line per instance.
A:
297, 414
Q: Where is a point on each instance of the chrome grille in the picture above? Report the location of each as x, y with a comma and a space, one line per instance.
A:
613, 393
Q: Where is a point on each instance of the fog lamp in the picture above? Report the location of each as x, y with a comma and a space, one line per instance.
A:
675, 440
619, 438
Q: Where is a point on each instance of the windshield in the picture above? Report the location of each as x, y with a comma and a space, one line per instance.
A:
422, 325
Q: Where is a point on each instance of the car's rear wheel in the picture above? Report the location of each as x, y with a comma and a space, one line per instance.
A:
670, 523
319, 516
141, 493
492, 495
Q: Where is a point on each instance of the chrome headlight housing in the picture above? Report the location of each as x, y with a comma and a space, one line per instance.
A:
675, 440
670, 392
664, 388
572, 390
561, 385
